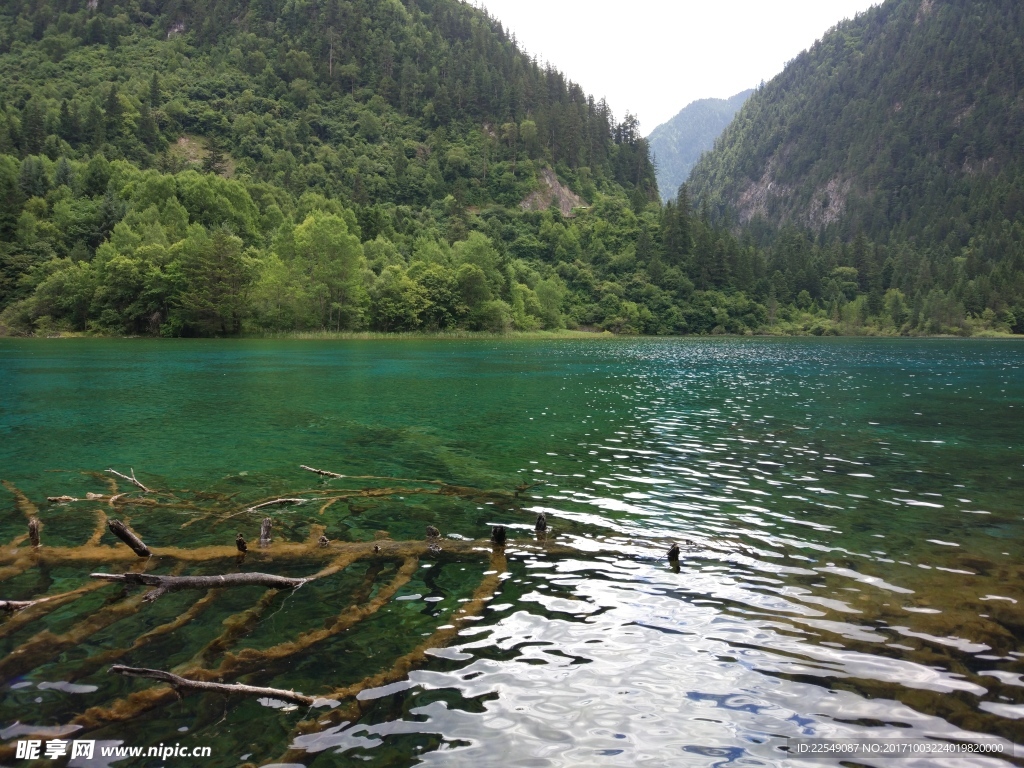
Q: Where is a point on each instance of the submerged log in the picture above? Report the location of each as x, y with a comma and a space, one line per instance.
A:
276, 503
17, 605
499, 535
33, 530
322, 472
60, 499
122, 532
523, 487
131, 479
180, 683
166, 584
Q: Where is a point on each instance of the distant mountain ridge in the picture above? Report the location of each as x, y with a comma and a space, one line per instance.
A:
678, 144
905, 123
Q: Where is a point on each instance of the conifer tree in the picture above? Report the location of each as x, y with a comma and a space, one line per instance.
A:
154, 91
113, 111
214, 162
68, 124
33, 128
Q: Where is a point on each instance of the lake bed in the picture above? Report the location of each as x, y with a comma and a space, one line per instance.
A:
850, 512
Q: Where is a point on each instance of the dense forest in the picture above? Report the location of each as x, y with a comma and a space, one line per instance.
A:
895, 145
183, 169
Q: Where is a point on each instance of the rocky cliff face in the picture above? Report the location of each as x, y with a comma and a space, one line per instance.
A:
906, 122
552, 191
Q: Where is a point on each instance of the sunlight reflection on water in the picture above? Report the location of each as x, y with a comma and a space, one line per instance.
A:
850, 514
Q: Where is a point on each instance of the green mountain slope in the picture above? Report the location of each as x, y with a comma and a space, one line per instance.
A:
677, 145
195, 168
180, 168
883, 170
906, 123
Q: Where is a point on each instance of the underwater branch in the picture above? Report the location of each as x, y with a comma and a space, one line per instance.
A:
179, 683
166, 584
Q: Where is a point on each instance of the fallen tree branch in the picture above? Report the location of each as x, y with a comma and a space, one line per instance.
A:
138, 546
24, 504
17, 605
322, 472
276, 503
523, 487
166, 584
196, 685
325, 473
131, 479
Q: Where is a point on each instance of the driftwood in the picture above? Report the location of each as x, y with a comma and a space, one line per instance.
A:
25, 505
499, 535
276, 503
179, 683
322, 472
166, 584
46, 645
326, 473
122, 532
220, 663
33, 530
17, 605
265, 527
60, 499
523, 487
131, 479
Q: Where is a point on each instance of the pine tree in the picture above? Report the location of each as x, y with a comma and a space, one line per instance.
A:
64, 175
147, 130
32, 177
95, 126
33, 128
69, 126
154, 91
214, 162
113, 112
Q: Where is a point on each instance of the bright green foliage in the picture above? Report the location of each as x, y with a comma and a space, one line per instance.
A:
331, 261
225, 167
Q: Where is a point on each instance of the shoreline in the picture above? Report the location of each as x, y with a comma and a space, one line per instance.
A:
511, 335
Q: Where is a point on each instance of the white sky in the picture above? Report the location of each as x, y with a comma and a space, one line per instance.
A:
653, 57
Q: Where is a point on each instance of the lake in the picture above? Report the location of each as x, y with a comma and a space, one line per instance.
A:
850, 513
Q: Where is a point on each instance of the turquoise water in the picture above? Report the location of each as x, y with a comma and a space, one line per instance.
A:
853, 507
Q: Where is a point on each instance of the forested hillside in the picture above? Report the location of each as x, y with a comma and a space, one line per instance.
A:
180, 169
893, 151
677, 145
202, 168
